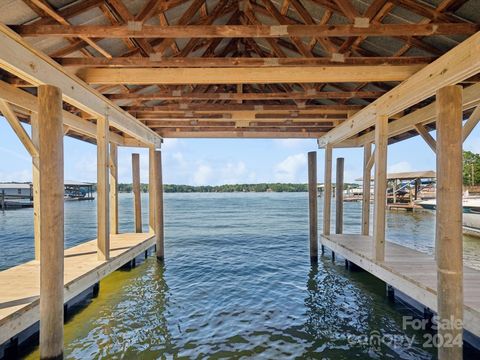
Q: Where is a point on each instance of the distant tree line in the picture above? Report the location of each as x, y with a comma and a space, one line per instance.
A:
263, 187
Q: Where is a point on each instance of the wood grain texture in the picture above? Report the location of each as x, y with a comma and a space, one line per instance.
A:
312, 205
449, 237
51, 219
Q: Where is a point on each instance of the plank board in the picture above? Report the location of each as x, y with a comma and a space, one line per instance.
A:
19, 298
410, 271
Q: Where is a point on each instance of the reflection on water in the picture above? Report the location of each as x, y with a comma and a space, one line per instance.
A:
237, 283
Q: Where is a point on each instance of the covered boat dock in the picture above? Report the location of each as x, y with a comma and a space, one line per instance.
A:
350, 73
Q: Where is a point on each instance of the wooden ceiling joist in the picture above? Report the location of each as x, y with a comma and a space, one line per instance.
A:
138, 30
201, 62
254, 68
183, 96
239, 75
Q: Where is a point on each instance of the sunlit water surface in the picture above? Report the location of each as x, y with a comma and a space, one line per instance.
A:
236, 283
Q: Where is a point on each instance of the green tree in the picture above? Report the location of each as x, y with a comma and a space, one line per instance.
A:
471, 168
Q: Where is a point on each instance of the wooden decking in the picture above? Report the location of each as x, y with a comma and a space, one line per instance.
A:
19, 295
410, 271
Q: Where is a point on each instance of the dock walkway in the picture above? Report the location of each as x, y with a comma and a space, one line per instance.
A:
20, 285
412, 272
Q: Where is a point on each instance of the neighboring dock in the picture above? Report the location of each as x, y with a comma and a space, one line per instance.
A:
20, 295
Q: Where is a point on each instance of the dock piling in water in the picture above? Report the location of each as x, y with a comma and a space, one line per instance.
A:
103, 187
339, 197
312, 205
136, 192
327, 190
113, 188
158, 192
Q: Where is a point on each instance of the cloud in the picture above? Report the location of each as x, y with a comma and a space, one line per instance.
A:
16, 154
180, 159
402, 166
86, 168
472, 144
288, 169
233, 173
290, 143
202, 175
16, 176
169, 144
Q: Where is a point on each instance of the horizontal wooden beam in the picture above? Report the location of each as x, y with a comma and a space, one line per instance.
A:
303, 95
29, 102
139, 30
247, 75
458, 64
230, 108
155, 61
241, 134
325, 125
424, 116
23, 60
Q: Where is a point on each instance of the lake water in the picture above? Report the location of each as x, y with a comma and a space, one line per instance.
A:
236, 283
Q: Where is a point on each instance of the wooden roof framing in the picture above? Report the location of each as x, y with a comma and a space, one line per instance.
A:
250, 68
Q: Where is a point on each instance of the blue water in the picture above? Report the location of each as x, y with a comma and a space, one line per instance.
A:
236, 283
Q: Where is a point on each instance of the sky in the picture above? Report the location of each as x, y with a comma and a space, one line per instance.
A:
219, 161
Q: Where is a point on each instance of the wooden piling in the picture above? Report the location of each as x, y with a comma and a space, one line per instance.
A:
367, 153
327, 190
113, 188
312, 205
159, 231
380, 201
339, 196
51, 219
103, 228
137, 202
36, 185
449, 241
151, 189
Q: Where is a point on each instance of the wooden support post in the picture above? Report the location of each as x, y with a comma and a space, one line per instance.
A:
51, 218
367, 153
381, 143
339, 197
151, 189
159, 233
103, 230
137, 202
327, 187
449, 241
36, 185
312, 205
113, 188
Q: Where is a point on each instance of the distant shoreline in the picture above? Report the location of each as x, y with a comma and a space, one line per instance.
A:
227, 188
